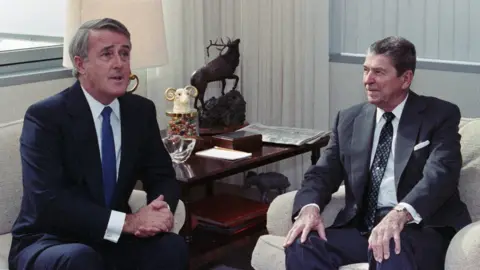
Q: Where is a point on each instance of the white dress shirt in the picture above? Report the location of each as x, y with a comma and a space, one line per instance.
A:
387, 195
117, 219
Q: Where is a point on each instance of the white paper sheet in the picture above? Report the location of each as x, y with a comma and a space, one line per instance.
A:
223, 153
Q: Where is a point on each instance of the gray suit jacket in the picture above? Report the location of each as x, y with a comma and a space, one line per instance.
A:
427, 179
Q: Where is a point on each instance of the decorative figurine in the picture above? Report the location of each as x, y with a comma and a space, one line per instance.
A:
267, 181
219, 69
183, 118
181, 98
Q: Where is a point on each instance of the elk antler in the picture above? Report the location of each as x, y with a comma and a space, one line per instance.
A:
223, 45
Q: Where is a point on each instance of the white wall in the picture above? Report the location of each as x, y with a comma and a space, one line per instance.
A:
463, 89
33, 17
440, 29
14, 100
344, 80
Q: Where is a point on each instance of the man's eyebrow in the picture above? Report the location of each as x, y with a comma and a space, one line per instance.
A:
107, 48
374, 68
111, 46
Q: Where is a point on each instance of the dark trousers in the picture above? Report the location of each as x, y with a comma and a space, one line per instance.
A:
163, 251
421, 248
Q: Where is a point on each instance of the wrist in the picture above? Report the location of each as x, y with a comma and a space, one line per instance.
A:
310, 209
401, 210
128, 226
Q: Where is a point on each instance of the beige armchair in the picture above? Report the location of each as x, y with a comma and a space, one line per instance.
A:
463, 252
11, 189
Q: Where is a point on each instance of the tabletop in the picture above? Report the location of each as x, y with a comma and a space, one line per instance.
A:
199, 170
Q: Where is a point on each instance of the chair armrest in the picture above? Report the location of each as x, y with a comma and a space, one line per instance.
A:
279, 215
138, 199
464, 249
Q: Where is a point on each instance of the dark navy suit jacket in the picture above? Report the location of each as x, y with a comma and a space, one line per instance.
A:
62, 177
427, 179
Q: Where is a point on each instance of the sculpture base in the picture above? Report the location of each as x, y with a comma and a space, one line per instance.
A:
220, 130
224, 112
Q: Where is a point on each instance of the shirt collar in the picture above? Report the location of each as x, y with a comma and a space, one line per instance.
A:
397, 111
96, 107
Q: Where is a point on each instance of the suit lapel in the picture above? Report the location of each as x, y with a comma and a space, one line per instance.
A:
408, 129
362, 135
86, 142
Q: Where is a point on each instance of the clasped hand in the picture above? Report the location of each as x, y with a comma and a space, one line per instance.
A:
390, 227
151, 219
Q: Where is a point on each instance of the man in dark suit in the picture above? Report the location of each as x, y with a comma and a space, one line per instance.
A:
399, 157
82, 151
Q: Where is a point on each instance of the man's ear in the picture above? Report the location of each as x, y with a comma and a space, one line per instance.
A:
79, 64
407, 79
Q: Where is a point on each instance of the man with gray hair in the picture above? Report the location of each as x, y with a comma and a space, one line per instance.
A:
82, 152
399, 158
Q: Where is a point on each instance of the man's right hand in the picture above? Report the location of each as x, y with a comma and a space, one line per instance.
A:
308, 220
150, 219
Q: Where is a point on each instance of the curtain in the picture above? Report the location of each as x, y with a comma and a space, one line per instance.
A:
284, 68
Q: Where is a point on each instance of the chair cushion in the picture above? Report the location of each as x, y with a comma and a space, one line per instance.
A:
469, 184
11, 189
5, 241
270, 255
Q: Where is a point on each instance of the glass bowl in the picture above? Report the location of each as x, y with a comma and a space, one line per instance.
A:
180, 148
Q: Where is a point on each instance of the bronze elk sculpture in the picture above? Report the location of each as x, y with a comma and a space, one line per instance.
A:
219, 69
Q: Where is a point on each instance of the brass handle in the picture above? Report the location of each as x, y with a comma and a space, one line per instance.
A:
133, 77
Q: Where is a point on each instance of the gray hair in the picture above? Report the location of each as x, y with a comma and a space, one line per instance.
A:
79, 43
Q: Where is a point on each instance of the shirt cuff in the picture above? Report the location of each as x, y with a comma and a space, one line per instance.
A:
115, 226
416, 217
301, 210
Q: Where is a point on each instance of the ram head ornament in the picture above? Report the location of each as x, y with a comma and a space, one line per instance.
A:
181, 98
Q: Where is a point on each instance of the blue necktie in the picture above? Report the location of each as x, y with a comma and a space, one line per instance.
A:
378, 168
109, 163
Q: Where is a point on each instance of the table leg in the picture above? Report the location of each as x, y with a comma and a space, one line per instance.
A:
315, 155
187, 227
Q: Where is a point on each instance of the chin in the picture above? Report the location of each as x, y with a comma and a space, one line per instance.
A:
372, 100
118, 90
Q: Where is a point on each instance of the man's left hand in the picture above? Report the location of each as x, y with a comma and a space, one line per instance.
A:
167, 223
390, 227
158, 205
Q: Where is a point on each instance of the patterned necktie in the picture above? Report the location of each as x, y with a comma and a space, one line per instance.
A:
109, 163
378, 168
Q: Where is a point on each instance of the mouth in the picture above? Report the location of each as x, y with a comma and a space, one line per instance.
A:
117, 78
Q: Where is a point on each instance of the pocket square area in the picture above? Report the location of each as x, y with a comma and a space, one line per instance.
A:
421, 145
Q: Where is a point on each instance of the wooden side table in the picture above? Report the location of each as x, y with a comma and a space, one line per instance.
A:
200, 171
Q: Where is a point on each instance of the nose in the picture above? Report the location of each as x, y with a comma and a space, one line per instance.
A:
368, 77
117, 61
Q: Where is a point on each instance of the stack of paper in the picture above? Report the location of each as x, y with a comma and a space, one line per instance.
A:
223, 153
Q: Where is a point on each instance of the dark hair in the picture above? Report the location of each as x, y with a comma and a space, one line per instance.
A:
400, 50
